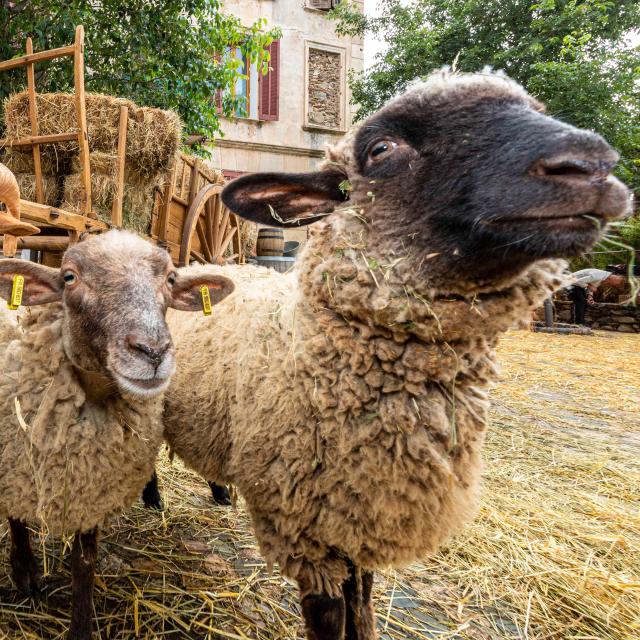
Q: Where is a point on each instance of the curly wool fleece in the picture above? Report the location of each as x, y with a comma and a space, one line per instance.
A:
346, 401
66, 463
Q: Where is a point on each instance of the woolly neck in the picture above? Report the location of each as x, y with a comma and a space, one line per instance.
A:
78, 463
371, 286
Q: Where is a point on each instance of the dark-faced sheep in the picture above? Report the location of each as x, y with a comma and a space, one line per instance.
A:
81, 394
348, 400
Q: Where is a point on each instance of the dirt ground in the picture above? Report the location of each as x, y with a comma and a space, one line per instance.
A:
553, 554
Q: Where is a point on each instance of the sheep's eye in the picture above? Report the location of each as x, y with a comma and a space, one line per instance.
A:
381, 149
69, 278
171, 279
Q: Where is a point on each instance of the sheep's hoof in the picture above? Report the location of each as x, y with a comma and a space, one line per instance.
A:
220, 494
27, 577
154, 502
79, 635
151, 496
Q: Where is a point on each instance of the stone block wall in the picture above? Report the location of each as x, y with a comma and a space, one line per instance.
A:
603, 315
325, 77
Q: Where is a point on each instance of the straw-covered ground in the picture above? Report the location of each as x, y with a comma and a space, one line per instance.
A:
554, 553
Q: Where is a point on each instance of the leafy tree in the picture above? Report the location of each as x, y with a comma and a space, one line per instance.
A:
574, 55
156, 52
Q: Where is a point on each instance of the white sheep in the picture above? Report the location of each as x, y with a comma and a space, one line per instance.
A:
81, 394
348, 400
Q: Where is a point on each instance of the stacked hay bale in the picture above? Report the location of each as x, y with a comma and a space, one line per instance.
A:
153, 139
138, 193
22, 165
248, 237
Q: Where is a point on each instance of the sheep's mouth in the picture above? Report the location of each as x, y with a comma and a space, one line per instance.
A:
573, 221
141, 386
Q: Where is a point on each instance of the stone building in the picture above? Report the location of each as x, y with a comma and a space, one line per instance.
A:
302, 104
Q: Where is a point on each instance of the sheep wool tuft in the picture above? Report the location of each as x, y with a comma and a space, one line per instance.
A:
56, 445
352, 413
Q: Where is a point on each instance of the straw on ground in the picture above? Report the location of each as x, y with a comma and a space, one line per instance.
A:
554, 553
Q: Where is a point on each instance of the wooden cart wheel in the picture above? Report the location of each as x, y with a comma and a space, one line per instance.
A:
209, 229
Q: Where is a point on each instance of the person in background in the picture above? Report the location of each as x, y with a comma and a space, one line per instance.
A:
584, 284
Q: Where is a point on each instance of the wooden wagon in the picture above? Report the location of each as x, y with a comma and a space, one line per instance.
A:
189, 220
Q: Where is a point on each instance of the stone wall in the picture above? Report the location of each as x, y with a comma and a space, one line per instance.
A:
325, 77
603, 315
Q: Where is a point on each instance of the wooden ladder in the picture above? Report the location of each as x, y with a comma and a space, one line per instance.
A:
35, 140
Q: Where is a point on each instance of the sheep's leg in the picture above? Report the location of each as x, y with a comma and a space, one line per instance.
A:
151, 494
25, 569
360, 618
324, 616
83, 570
220, 494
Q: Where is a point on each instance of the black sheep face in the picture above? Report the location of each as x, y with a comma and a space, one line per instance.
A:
466, 166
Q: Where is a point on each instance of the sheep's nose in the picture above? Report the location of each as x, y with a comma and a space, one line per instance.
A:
572, 168
585, 172
153, 350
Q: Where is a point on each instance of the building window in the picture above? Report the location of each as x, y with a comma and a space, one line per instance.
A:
325, 94
322, 5
258, 94
269, 86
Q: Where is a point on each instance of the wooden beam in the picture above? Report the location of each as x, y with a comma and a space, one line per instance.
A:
193, 186
187, 159
51, 216
237, 244
81, 114
33, 117
183, 179
31, 140
194, 139
116, 207
41, 243
163, 213
32, 58
215, 224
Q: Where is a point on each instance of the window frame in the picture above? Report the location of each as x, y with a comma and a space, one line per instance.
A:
310, 7
219, 92
342, 51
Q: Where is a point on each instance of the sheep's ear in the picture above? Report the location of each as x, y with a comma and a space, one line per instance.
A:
187, 290
41, 284
285, 199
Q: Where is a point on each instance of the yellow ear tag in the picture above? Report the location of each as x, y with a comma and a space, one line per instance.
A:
206, 300
16, 293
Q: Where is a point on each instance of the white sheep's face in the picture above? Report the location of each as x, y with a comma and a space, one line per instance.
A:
467, 167
115, 289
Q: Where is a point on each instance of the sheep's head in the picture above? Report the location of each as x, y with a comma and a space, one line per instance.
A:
464, 166
115, 289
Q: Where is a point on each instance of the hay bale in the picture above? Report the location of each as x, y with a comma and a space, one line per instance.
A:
137, 203
99, 162
105, 163
248, 237
137, 208
22, 162
153, 139
153, 135
50, 188
57, 114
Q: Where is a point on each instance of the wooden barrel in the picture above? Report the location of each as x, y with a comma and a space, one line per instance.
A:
270, 242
